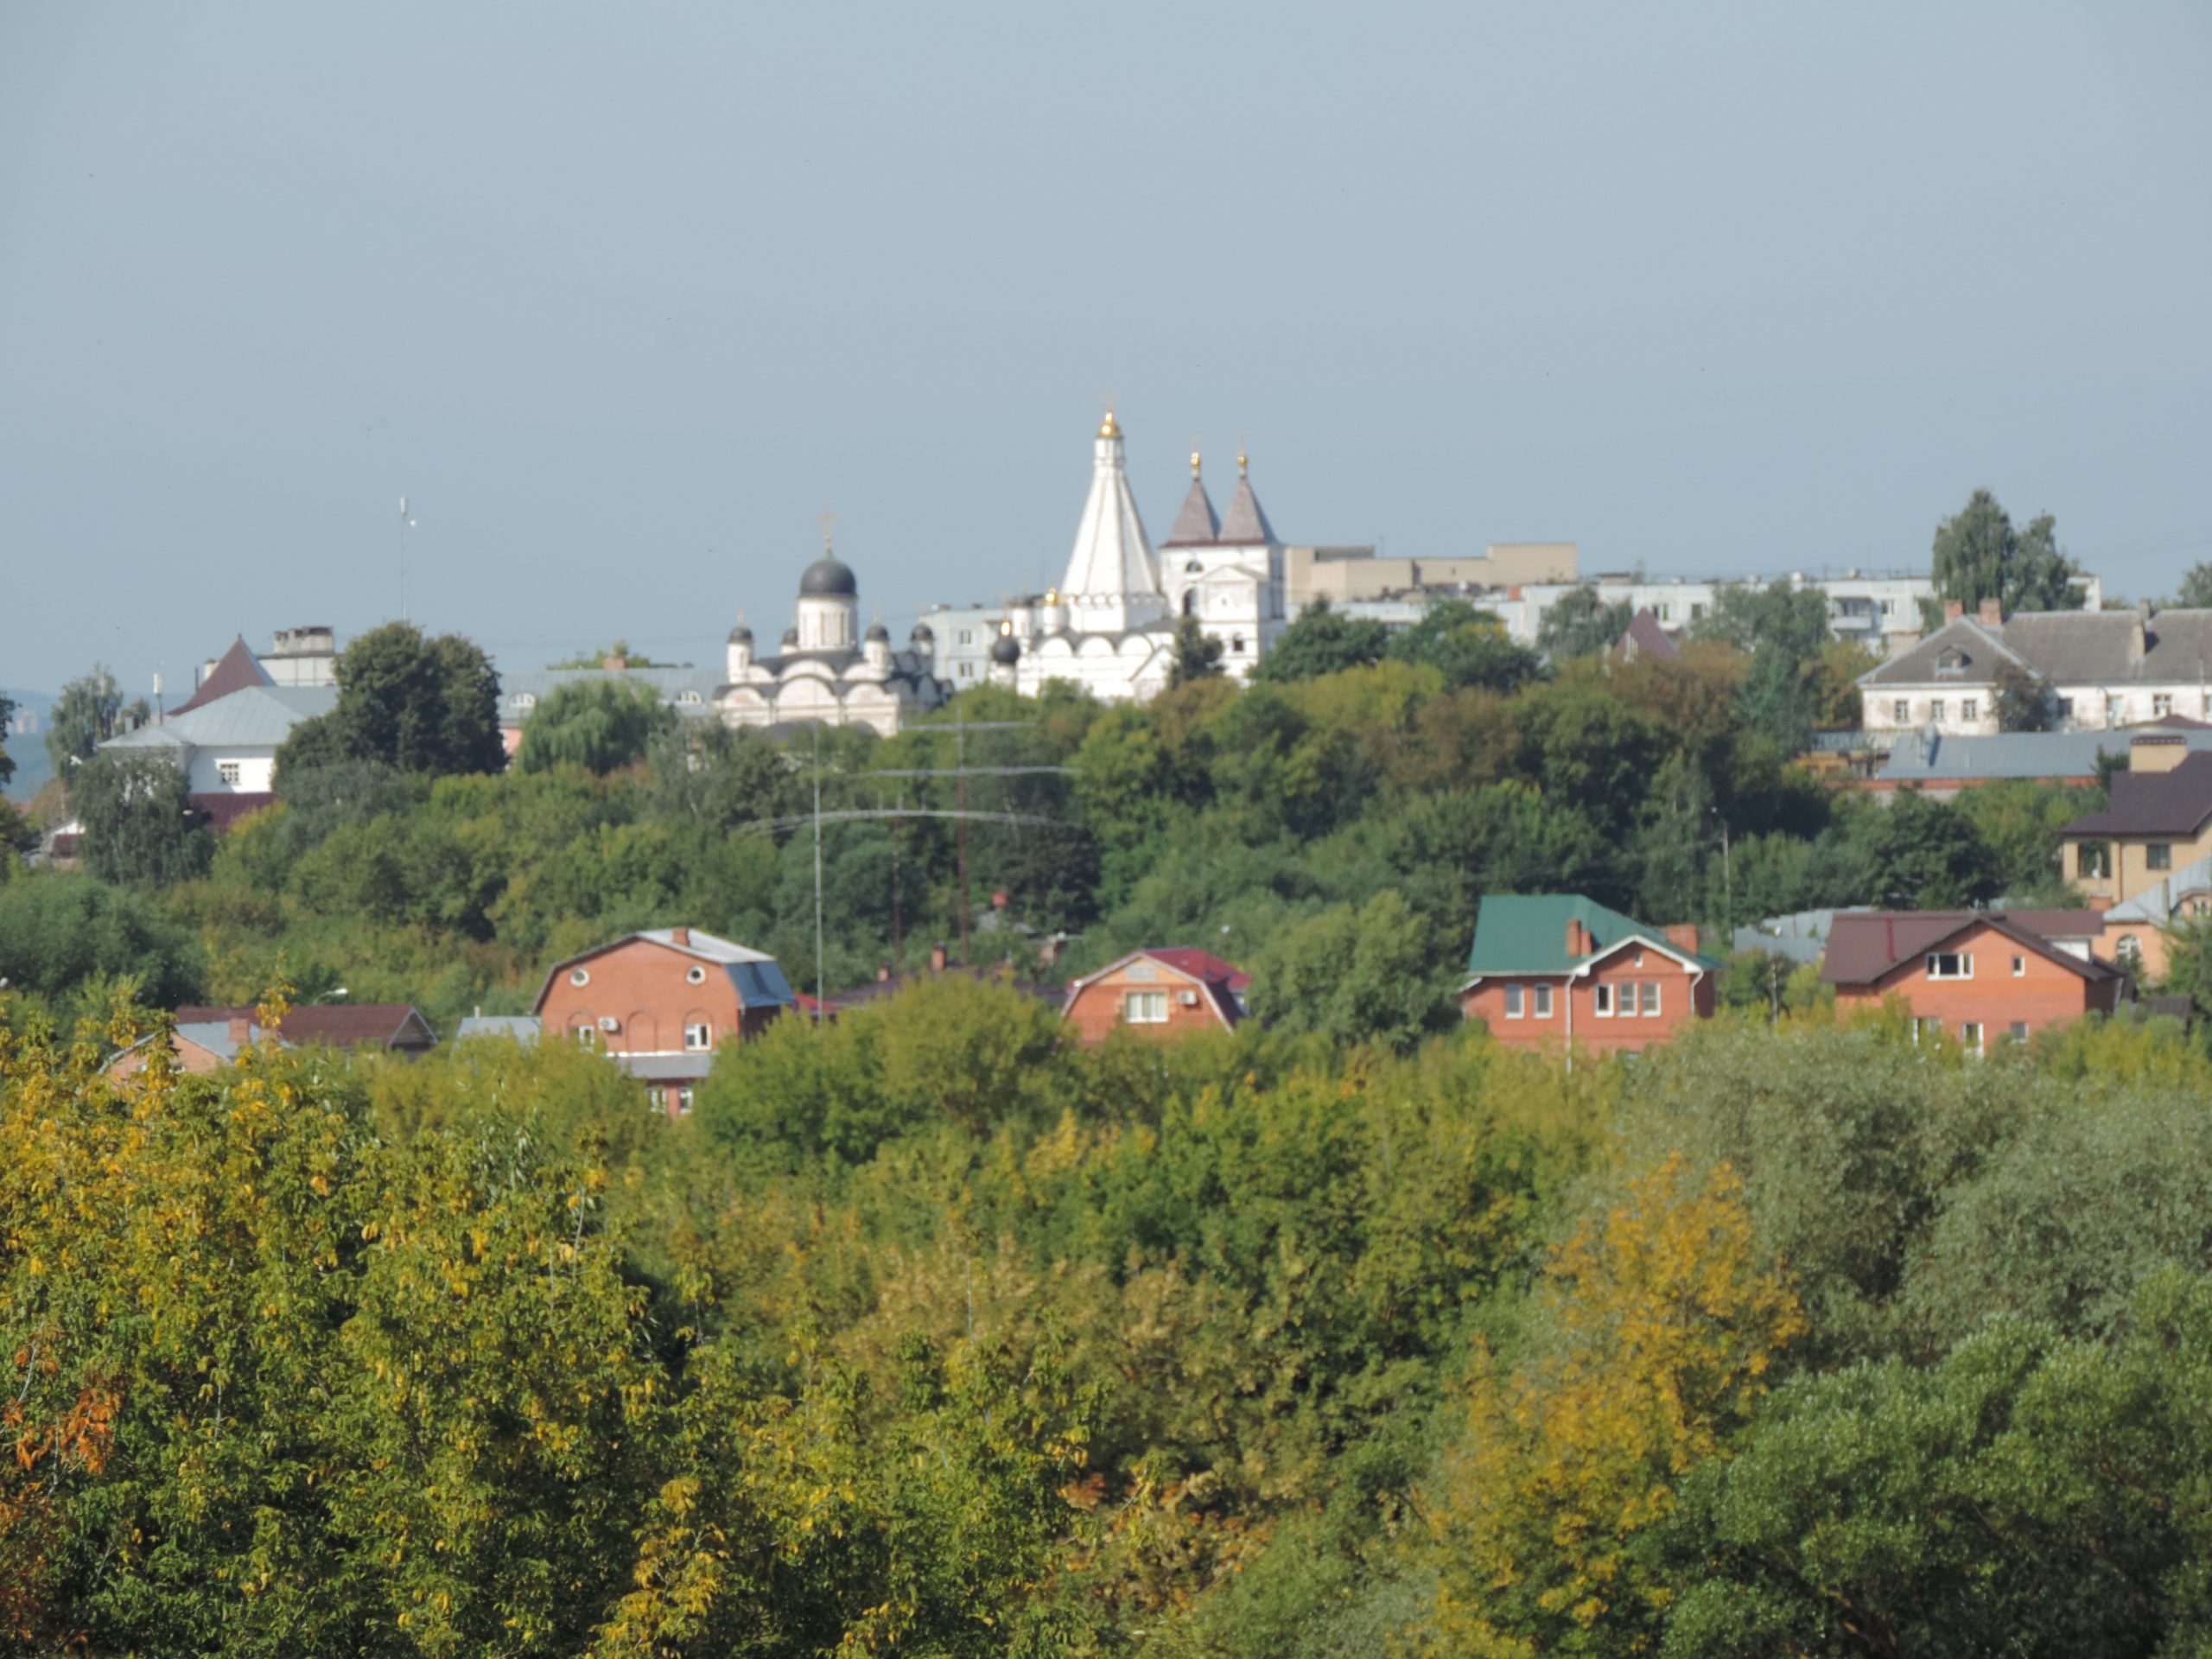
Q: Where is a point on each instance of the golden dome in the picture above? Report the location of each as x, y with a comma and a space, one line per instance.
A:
1109, 428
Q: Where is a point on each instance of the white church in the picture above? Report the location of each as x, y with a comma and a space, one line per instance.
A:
1110, 626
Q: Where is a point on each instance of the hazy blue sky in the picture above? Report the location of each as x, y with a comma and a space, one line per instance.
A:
621, 295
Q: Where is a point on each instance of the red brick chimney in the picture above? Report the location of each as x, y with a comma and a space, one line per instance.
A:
883, 972
937, 957
1953, 610
1992, 613
241, 1030
1683, 936
1578, 939
681, 937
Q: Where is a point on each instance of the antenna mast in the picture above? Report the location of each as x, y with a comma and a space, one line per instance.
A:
406, 523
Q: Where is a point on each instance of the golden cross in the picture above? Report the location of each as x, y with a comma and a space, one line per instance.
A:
829, 522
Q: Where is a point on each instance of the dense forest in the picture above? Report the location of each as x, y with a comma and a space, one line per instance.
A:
1332, 828
928, 1334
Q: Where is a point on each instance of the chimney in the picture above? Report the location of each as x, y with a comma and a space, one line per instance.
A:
1578, 939
680, 937
883, 971
1683, 936
241, 1030
2139, 642
1992, 613
937, 957
1953, 610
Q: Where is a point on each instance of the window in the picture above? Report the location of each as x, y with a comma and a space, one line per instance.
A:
1146, 1009
1901, 712
1697, 612
697, 975
684, 1103
1889, 608
1970, 1036
1650, 997
1603, 995
1513, 1008
1543, 1001
585, 1036
1237, 645
227, 771
2019, 1030
2066, 708
2019, 967
967, 636
2158, 856
2162, 704
2092, 858
1951, 661
1935, 709
1969, 710
1950, 964
966, 670
698, 1035
2128, 954
689, 698
579, 977
1666, 612
1929, 1029
526, 700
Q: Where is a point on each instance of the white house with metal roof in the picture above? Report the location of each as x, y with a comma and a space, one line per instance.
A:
225, 736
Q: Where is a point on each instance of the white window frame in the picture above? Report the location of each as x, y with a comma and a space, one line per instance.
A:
684, 1103
1969, 708
584, 1036
1649, 999
1144, 1008
1516, 1003
2019, 967
1935, 709
579, 977
1601, 1000
228, 772
1543, 1001
1901, 711
1970, 1036
2019, 1030
2162, 704
1961, 964
698, 1036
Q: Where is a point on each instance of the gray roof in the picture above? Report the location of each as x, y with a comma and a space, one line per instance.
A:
2067, 647
1801, 936
671, 684
258, 716
666, 1068
1244, 523
1197, 525
1923, 757
2172, 803
2156, 903
520, 1027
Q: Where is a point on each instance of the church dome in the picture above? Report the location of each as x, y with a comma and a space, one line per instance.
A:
922, 630
827, 577
791, 638
740, 635
877, 631
1005, 651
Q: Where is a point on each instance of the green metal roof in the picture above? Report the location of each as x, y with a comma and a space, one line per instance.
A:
1526, 933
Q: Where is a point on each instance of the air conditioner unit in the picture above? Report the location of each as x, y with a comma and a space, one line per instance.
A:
608, 1022
1190, 999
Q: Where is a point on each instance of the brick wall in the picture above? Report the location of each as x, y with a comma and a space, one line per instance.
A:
1997, 998
1102, 1004
1683, 996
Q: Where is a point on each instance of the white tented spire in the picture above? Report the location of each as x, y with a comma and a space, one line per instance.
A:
1112, 586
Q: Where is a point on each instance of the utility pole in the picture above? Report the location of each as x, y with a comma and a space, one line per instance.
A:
406, 523
821, 973
960, 803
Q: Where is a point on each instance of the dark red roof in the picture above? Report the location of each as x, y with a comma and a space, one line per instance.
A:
1201, 964
226, 807
2172, 803
342, 1025
1866, 944
1644, 637
236, 671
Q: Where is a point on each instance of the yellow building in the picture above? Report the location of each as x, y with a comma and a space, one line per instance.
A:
2159, 820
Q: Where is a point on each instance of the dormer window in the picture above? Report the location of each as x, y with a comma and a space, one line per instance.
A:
1951, 661
526, 700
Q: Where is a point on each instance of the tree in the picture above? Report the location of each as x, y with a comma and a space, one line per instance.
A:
2196, 591
1979, 555
88, 712
140, 828
1197, 654
1927, 856
2020, 698
57, 932
7, 716
1366, 974
1777, 700
1469, 647
422, 705
1749, 615
599, 725
1322, 641
1580, 624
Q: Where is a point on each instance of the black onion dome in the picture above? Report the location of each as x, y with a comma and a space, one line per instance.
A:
877, 631
1005, 651
922, 631
740, 635
827, 577
790, 638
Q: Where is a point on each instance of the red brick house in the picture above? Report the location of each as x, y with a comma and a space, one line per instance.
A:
1558, 969
1159, 993
659, 1003
1978, 976
210, 1037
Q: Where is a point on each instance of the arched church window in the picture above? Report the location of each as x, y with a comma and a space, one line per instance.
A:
1191, 602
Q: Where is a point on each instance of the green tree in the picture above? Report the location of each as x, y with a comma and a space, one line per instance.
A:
1979, 555
1469, 647
1750, 615
599, 725
1580, 624
2021, 699
1776, 699
88, 712
1927, 856
140, 828
1322, 641
421, 705
1197, 654
2194, 593
1374, 974
57, 932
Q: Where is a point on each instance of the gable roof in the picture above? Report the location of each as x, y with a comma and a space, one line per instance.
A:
342, 1025
754, 974
2156, 903
1979, 649
1644, 637
252, 717
238, 670
1244, 523
1526, 933
520, 1027
1197, 525
1223, 982
2066, 647
1865, 946
2175, 803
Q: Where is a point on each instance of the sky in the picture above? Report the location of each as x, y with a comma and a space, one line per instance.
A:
621, 297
